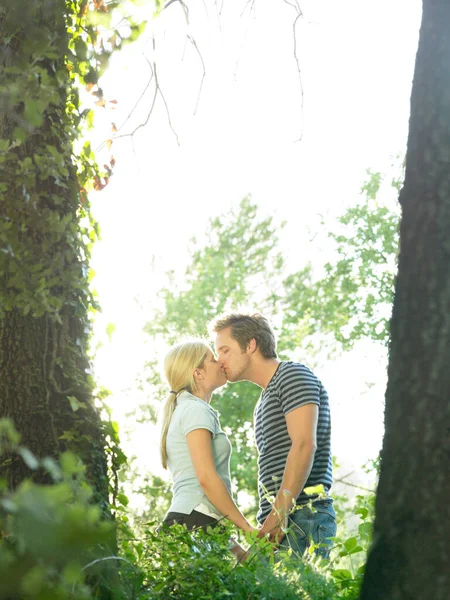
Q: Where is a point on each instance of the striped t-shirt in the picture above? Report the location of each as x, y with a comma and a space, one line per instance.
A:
291, 386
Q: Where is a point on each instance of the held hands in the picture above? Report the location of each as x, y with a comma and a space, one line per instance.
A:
250, 529
275, 525
239, 552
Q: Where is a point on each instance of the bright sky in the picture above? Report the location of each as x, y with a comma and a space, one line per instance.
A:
356, 60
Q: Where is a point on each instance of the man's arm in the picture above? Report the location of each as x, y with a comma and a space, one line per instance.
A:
302, 426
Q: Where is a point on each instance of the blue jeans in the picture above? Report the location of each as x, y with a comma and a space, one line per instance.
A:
308, 525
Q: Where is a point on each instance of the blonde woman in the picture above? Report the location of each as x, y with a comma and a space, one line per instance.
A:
194, 447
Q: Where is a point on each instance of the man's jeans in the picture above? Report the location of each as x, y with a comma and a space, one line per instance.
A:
311, 525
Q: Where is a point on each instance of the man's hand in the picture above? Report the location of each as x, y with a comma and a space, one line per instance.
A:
275, 526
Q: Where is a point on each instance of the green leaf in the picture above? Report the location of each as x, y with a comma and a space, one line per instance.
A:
34, 581
52, 467
123, 499
315, 489
362, 511
342, 574
33, 112
30, 460
70, 464
351, 543
19, 134
75, 403
365, 528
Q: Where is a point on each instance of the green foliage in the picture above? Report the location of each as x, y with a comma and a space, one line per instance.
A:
116, 458
238, 259
353, 298
48, 532
55, 545
197, 565
155, 492
179, 564
349, 553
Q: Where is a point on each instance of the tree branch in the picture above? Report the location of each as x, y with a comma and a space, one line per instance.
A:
296, 6
194, 43
153, 76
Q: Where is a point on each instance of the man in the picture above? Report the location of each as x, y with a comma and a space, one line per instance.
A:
292, 430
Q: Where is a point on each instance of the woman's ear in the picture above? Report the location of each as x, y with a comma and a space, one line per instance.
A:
198, 374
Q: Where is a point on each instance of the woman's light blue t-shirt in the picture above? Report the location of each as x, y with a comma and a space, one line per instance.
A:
192, 413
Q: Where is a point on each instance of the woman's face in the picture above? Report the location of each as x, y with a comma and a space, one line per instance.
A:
214, 374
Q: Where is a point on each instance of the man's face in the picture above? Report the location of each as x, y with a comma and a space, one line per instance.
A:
233, 360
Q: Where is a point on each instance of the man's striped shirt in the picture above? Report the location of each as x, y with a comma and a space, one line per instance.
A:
292, 385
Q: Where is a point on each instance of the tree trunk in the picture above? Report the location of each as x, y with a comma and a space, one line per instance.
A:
45, 386
410, 554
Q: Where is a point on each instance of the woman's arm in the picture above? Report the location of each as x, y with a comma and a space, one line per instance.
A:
200, 449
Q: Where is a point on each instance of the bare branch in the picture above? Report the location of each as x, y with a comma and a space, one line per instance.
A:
298, 71
183, 5
154, 76
354, 485
168, 114
169, 3
296, 6
250, 3
140, 97
194, 43
149, 114
246, 32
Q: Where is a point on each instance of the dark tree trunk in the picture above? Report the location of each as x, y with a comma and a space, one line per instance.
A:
45, 386
410, 555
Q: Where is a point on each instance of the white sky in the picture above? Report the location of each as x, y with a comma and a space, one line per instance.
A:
356, 59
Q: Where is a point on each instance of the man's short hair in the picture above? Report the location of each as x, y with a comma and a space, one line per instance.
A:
245, 327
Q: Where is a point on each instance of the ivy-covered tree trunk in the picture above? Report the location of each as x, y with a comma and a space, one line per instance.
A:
45, 386
410, 554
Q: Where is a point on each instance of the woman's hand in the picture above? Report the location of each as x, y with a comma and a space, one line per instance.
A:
249, 528
239, 552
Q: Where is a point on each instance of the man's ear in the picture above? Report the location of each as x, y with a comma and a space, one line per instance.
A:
252, 346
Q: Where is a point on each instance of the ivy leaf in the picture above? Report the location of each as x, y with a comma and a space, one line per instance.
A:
123, 499
34, 113
75, 403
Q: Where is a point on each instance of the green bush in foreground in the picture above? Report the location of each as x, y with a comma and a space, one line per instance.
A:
55, 545
179, 564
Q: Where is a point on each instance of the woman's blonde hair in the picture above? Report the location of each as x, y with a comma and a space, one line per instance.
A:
179, 366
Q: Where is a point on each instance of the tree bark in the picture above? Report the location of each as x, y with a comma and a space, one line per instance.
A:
410, 554
44, 324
